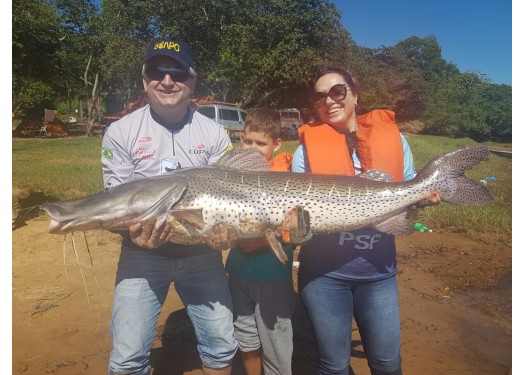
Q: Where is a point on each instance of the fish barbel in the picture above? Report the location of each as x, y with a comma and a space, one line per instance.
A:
240, 191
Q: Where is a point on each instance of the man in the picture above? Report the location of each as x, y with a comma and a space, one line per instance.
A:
164, 135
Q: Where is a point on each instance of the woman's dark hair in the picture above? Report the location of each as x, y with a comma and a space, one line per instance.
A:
343, 73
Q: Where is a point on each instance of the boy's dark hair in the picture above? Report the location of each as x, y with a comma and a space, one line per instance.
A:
265, 120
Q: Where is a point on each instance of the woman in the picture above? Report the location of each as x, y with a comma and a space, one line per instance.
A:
351, 274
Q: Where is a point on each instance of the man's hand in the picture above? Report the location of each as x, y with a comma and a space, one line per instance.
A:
222, 237
151, 233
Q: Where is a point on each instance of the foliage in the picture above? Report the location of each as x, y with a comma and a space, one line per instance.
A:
468, 105
36, 96
36, 33
128, 26
496, 103
80, 54
251, 52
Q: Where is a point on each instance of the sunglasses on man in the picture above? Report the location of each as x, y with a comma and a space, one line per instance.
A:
336, 93
157, 73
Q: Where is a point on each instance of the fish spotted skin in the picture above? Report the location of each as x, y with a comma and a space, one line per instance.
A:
255, 200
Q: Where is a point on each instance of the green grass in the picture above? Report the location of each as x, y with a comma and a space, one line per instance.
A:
495, 218
54, 169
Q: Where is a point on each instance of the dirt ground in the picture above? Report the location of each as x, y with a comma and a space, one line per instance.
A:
455, 297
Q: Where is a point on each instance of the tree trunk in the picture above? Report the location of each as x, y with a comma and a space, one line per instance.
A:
92, 99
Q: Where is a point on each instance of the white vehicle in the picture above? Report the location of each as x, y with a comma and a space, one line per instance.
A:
290, 117
228, 115
290, 121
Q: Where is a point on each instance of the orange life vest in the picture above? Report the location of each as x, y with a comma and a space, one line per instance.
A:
281, 162
379, 146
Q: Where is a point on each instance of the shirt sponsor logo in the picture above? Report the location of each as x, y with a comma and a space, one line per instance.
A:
167, 166
361, 241
143, 154
198, 149
107, 153
145, 139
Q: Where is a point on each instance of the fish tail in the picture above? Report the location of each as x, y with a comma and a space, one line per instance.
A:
447, 175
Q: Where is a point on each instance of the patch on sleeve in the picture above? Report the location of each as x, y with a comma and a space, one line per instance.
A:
107, 153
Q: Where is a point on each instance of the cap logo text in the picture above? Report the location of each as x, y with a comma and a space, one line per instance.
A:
168, 45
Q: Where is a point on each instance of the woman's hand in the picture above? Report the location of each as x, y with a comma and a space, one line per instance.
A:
432, 201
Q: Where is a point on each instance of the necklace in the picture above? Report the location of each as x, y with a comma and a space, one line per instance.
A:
351, 142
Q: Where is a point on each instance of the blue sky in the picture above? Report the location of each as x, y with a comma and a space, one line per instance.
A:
475, 35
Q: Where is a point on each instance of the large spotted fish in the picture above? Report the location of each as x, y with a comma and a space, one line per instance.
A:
241, 192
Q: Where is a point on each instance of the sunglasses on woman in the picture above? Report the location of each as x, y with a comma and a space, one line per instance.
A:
157, 73
336, 93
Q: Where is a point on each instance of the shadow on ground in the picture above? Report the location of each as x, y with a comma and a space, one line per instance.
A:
178, 353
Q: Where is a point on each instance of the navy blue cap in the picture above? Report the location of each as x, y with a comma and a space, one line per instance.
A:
176, 49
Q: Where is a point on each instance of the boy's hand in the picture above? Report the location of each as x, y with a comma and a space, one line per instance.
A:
295, 227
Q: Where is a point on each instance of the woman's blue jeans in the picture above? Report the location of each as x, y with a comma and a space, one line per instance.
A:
331, 304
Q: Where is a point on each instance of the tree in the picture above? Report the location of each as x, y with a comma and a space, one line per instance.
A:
457, 108
404, 76
128, 27
80, 54
36, 41
251, 52
497, 106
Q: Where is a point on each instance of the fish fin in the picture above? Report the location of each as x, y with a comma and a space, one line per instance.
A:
451, 183
185, 225
276, 246
377, 175
248, 159
183, 234
193, 217
398, 225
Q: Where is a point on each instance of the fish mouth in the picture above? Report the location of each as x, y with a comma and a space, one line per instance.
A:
55, 226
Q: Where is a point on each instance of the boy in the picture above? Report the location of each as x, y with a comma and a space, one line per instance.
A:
262, 287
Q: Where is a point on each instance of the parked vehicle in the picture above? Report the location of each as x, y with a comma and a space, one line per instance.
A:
290, 117
290, 121
228, 115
